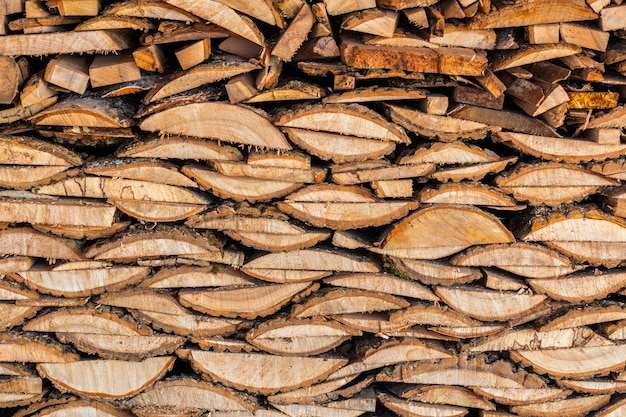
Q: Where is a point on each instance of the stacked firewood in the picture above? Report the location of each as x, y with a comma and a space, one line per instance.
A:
263, 208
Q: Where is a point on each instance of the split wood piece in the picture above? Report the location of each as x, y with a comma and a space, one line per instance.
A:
474, 172
88, 136
35, 209
441, 230
299, 337
23, 177
163, 312
295, 34
615, 331
197, 277
73, 407
611, 18
593, 386
342, 207
377, 170
461, 36
153, 244
332, 389
26, 150
377, 323
83, 232
246, 302
193, 54
615, 118
613, 201
228, 257
594, 237
442, 394
525, 259
407, 408
575, 363
98, 378
420, 313
261, 373
444, 128
86, 112
16, 391
471, 95
20, 348
283, 267
384, 283
475, 194
552, 183
118, 188
393, 188
187, 396
220, 14
487, 305
14, 79
20, 112
351, 407
71, 42
337, 7
443, 60
433, 272
240, 188
10, 264
376, 94
374, 21
221, 344
25, 241
588, 315
104, 334
531, 339
532, 54
113, 69
219, 121
457, 333
393, 351
568, 150
338, 147
567, 407
150, 58
293, 90
604, 136
149, 9
203, 74
342, 301
177, 147
347, 119
80, 282
592, 100
582, 287
140, 169
74, 7
115, 22
526, 13
269, 172
401, 38
180, 32
13, 314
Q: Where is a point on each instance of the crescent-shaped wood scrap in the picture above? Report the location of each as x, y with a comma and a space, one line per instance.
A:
76, 407
26, 241
16, 348
150, 9
87, 112
394, 351
341, 301
474, 194
405, 407
385, 283
178, 147
587, 316
434, 272
582, 287
593, 386
97, 378
441, 394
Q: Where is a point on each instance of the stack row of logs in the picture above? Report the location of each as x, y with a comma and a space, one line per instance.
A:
257, 208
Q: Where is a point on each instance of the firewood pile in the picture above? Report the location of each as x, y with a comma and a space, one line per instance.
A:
247, 208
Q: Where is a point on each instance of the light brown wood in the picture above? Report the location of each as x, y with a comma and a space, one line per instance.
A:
612, 18
468, 193
66, 42
585, 317
385, 283
86, 112
241, 370
342, 301
337, 7
581, 287
532, 54
376, 21
113, 69
434, 272
357, 173
29, 242
69, 72
584, 36
543, 33
295, 34
150, 58
407, 408
178, 147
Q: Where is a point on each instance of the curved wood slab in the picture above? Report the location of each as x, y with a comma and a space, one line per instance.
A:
407, 408
433, 315
434, 272
474, 194
262, 373
179, 147
78, 407
86, 112
29, 242
219, 121
16, 348
26, 150
197, 276
563, 408
457, 153
342, 301
586, 316
100, 378
382, 282
395, 351
522, 396
582, 287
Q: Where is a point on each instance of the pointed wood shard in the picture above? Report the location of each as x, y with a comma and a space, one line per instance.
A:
219, 121
581, 287
415, 236
342, 301
525, 259
299, 336
262, 373
97, 378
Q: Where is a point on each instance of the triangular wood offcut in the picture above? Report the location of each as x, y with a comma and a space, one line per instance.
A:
262, 373
488, 305
475, 194
103, 22
521, 258
474, 172
582, 287
385, 283
86, 112
162, 311
339, 147
80, 282
222, 15
99, 378
434, 272
219, 121
552, 183
246, 302
586, 316
441, 230
29, 242
341, 301
593, 236
444, 128
187, 395
568, 150
394, 351
299, 337
405, 408
178, 147
348, 119
342, 207
147, 244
